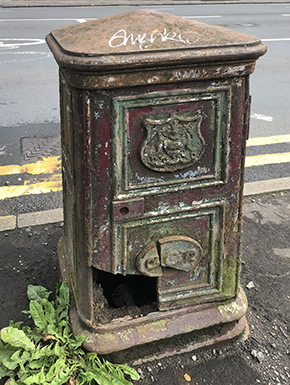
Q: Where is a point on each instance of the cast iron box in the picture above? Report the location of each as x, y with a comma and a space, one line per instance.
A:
154, 121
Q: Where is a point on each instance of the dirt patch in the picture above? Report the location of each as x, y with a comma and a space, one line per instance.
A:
27, 256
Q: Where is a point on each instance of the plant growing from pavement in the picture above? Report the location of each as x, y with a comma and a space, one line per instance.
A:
50, 353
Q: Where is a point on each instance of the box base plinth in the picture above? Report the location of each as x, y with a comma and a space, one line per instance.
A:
211, 323
214, 336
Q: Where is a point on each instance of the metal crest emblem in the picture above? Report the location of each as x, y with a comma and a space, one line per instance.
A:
172, 143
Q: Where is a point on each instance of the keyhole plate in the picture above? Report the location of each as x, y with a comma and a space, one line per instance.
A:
128, 209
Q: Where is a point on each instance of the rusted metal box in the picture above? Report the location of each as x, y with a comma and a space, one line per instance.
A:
154, 121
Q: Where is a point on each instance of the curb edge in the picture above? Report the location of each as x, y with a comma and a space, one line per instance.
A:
11, 222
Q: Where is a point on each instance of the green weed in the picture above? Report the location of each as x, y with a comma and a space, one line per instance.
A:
50, 353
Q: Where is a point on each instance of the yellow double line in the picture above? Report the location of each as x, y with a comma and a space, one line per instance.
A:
259, 160
50, 167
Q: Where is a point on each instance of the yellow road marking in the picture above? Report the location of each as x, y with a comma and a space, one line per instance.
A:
260, 160
262, 141
49, 185
53, 164
46, 165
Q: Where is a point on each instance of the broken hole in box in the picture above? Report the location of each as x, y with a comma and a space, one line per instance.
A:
117, 296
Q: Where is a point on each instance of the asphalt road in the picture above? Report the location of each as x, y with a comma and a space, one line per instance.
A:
29, 77
28, 69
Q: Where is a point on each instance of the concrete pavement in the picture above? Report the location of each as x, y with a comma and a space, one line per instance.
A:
29, 256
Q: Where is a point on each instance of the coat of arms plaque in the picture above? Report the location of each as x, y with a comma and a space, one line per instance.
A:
173, 142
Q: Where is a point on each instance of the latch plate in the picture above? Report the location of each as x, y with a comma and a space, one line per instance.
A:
176, 252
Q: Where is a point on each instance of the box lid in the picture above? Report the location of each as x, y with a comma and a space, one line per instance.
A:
145, 38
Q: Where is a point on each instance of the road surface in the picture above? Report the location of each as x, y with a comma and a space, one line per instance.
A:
30, 106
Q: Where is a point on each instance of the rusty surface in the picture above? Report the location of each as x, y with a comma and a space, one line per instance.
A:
200, 201
174, 252
148, 38
124, 332
148, 261
144, 30
148, 76
225, 332
153, 164
180, 253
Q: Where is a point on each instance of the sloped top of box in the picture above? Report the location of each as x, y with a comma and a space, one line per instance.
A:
148, 36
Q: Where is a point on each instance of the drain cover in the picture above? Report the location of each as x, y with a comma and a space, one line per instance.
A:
36, 148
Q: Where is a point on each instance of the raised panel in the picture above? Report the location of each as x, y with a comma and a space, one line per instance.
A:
171, 140
204, 228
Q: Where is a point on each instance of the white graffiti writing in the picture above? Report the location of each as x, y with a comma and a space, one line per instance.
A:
143, 41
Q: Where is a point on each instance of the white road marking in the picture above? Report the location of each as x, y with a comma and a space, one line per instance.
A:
20, 42
199, 17
3, 150
281, 39
73, 19
48, 54
262, 117
159, 7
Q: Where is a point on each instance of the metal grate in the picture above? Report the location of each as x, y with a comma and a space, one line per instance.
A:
36, 148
